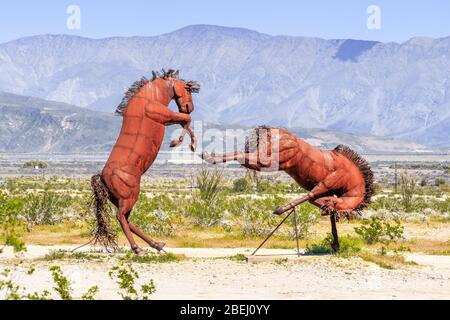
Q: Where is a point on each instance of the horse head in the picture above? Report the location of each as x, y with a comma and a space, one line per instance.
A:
182, 90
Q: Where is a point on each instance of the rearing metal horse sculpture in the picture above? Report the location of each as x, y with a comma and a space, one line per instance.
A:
145, 114
340, 181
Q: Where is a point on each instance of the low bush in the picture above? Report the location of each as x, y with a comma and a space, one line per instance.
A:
157, 216
255, 216
204, 213
243, 184
10, 226
349, 246
62, 288
126, 277
307, 216
152, 258
376, 230
206, 205
46, 207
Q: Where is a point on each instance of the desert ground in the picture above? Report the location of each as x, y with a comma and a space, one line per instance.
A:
273, 274
399, 248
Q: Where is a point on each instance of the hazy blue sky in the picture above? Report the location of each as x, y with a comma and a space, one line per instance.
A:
400, 19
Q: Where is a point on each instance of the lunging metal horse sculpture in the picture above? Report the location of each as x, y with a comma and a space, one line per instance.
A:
145, 114
340, 181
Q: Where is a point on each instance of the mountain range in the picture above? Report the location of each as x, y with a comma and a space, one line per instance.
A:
391, 90
35, 125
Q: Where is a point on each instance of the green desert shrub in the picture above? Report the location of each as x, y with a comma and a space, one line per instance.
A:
243, 184
349, 246
36, 164
206, 205
264, 186
126, 277
157, 215
10, 224
254, 216
375, 230
407, 190
46, 207
62, 288
386, 203
209, 184
307, 216
206, 213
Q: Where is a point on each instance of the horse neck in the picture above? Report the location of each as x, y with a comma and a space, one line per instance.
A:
157, 91
304, 147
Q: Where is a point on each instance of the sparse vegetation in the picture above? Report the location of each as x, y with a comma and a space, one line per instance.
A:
62, 288
205, 207
10, 228
386, 261
152, 258
407, 190
242, 184
126, 277
157, 215
56, 255
214, 212
209, 184
349, 246
36, 164
376, 230
238, 258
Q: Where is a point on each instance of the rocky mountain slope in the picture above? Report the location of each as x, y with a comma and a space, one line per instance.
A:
248, 78
36, 125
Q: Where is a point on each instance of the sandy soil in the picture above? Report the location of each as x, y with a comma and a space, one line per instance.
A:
209, 274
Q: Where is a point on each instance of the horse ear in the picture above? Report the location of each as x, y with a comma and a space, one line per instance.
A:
176, 74
154, 74
193, 86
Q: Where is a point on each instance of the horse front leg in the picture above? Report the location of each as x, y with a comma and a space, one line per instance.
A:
318, 190
185, 121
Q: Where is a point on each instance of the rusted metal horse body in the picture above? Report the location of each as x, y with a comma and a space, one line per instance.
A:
145, 114
340, 181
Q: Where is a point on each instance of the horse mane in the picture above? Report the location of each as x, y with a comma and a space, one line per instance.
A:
254, 140
365, 170
137, 85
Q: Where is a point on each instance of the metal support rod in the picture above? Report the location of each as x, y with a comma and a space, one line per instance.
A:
274, 230
296, 232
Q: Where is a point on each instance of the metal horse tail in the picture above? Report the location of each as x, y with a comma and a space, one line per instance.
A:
103, 233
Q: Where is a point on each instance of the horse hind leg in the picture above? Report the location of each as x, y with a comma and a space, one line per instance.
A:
248, 160
155, 245
328, 206
335, 244
337, 207
125, 207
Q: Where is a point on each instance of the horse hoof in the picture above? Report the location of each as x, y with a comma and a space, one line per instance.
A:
207, 157
335, 246
159, 245
279, 211
138, 251
193, 147
174, 143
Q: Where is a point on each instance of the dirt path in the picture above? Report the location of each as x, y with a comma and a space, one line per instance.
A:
209, 274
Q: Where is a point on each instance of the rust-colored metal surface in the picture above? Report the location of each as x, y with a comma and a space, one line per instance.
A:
145, 115
339, 181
